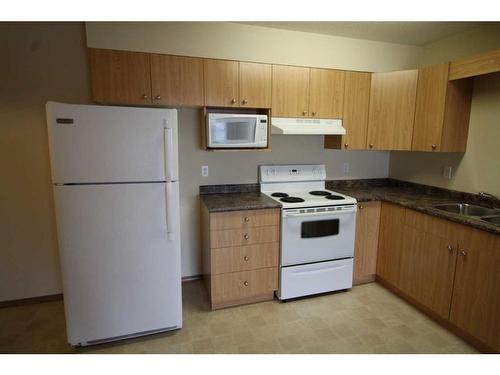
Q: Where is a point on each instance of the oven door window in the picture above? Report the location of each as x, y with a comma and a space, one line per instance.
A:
321, 228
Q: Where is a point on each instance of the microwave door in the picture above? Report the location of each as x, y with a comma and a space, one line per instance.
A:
233, 132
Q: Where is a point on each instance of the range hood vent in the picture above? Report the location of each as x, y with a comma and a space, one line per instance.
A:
306, 126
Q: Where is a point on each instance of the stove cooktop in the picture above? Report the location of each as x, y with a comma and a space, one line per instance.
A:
310, 198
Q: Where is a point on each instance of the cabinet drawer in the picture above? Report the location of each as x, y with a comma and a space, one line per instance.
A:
244, 258
244, 219
247, 236
238, 286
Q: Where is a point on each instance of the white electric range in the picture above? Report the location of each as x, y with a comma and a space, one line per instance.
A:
317, 230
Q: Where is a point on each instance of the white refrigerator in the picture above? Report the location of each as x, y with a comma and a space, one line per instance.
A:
116, 192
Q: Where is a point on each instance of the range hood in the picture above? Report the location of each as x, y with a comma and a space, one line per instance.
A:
306, 126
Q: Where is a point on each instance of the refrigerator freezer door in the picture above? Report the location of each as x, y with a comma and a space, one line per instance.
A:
96, 144
121, 272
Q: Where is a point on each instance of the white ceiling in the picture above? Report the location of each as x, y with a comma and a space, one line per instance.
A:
413, 33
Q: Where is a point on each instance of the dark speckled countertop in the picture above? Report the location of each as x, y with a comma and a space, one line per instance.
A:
417, 197
220, 198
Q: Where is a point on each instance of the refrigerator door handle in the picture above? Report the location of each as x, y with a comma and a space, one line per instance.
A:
169, 148
168, 210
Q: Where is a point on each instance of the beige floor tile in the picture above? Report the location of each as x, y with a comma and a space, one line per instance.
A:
366, 319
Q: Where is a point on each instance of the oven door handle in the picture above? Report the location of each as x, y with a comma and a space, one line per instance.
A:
322, 213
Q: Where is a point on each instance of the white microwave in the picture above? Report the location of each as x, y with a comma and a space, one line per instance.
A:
232, 130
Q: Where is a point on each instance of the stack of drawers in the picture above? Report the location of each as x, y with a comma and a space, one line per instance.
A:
240, 255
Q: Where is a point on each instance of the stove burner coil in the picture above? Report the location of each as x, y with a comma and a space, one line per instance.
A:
291, 200
279, 195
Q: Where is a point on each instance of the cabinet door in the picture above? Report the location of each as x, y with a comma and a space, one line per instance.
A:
365, 252
390, 242
326, 95
221, 83
255, 85
429, 112
475, 305
177, 80
427, 269
356, 104
120, 77
392, 110
290, 93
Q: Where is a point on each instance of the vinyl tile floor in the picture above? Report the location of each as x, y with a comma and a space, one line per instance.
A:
365, 319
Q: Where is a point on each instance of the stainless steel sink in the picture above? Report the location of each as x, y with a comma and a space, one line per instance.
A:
492, 219
466, 209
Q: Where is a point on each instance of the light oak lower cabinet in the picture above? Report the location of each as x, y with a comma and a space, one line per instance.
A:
365, 252
449, 270
475, 305
240, 251
390, 242
428, 258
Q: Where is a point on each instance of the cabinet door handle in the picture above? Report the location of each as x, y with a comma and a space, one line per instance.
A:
158, 97
360, 207
244, 101
233, 100
450, 248
304, 113
246, 237
145, 96
245, 258
371, 145
463, 253
346, 145
433, 147
245, 283
247, 219
313, 113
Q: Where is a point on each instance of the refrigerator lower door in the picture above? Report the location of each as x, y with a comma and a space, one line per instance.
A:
120, 268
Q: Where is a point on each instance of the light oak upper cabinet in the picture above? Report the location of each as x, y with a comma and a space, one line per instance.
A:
392, 110
475, 304
221, 83
290, 91
354, 114
442, 111
255, 85
390, 242
428, 258
326, 93
365, 252
120, 77
177, 80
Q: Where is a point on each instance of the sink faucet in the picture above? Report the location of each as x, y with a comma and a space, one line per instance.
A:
483, 194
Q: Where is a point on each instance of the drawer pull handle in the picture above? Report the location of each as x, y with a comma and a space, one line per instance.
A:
247, 219
450, 248
245, 283
463, 253
245, 258
246, 237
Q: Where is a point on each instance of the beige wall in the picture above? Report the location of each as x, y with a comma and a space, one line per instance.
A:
43, 62
38, 62
478, 169
226, 40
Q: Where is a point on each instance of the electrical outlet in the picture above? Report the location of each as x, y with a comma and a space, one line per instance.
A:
447, 172
346, 169
204, 170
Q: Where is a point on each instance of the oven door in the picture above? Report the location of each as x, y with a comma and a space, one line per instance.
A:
236, 131
317, 234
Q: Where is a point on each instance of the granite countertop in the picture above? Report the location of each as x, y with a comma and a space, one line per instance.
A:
421, 199
220, 202
219, 198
